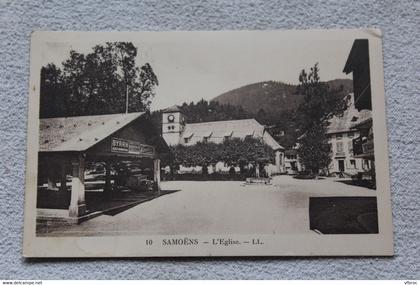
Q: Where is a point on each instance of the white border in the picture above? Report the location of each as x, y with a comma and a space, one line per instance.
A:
274, 245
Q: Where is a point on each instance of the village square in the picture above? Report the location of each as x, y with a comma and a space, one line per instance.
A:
128, 171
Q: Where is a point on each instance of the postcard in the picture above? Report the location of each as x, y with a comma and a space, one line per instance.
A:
221, 143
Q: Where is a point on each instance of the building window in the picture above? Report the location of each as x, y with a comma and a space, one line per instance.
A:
339, 147
169, 127
366, 164
205, 140
350, 147
186, 140
339, 136
351, 134
353, 163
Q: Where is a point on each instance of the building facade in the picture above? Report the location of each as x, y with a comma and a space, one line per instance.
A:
358, 64
292, 163
341, 134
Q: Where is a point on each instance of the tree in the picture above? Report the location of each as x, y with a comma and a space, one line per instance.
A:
53, 97
320, 102
98, 83
234, 152
315, 151
319, 105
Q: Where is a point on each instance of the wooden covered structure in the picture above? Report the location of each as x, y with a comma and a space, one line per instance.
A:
67, 143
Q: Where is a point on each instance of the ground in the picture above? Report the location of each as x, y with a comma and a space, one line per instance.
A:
220, 207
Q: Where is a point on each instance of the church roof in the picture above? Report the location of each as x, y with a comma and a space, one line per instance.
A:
218, 130
348, 120
80, 133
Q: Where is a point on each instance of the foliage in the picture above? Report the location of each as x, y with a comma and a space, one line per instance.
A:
315, 151
97, 83
281, 126
274, 104
320, 104
204, 111
233, 151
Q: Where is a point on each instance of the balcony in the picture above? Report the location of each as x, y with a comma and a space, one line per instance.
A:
363, 147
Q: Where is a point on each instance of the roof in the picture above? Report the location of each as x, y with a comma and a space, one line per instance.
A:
363, 123
174, 108
233, 128
291, 152
80, 133
350, 117
358, 53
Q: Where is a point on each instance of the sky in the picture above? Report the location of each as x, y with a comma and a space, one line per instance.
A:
191, 66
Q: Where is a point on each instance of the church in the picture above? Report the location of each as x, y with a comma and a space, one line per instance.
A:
175, 130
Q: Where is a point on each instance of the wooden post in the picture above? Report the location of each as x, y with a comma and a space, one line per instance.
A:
282, 162
63, 177
107, 189
278, 161
77, 202
156, 176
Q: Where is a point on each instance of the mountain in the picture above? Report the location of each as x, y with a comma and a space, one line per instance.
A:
271, 96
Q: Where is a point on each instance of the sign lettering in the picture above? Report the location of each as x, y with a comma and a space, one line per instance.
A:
132, 147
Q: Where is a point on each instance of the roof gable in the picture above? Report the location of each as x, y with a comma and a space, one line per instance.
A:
345, 123
172, 109
80, 133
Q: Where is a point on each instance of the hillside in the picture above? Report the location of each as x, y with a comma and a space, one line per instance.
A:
271, 96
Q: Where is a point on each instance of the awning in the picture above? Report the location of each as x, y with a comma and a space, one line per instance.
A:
369, 156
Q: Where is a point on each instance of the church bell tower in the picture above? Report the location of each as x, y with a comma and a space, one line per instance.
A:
173, 123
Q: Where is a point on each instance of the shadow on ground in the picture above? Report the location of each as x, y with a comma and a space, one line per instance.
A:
136, 201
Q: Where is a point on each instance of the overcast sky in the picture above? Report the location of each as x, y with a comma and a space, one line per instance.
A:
192, 66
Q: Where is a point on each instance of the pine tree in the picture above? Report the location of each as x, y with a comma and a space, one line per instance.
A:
320, 104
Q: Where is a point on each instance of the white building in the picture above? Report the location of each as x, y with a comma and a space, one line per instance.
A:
175, 131
292, 163
341, 134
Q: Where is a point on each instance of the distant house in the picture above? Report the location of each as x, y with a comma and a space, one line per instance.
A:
341, 133
176, 131
291, 161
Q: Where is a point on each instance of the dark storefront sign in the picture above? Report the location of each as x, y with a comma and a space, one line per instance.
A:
132, 147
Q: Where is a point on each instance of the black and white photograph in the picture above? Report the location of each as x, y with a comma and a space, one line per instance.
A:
207, 143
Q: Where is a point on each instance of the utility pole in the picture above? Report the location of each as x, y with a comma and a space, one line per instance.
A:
126, 98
